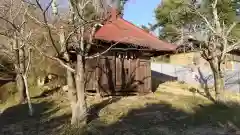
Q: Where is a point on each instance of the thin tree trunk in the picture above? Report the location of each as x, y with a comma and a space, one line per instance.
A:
72, 95
22, 65
28, 95
218, 81
81, 107
219, 89
21, 88
18, 66
71, 83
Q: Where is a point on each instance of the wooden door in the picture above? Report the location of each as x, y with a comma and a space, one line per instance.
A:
126, 73
123, 73
119, 72
144, 76
107, 75
132, 75
90, 75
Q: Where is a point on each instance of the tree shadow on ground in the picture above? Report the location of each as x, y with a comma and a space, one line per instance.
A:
96, 108
204, 84
156, 119
46, 93
15, 120
46, 121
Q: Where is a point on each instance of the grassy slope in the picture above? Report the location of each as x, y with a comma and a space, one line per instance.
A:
154, 114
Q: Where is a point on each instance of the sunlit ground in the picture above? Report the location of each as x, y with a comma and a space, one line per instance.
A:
161, 113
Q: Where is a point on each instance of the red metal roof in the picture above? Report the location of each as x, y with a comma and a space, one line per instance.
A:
122, 31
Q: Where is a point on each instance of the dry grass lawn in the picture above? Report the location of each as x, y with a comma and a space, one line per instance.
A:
171, 110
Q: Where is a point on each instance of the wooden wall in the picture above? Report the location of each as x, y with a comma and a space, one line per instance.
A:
109, 75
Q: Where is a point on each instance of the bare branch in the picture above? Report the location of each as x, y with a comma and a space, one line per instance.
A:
234, 46
55, 59
230, 29
46, 24
79, 11
29, 62
70, 35
29, 3
214, 4
39, 22
10, 10
13, 25
19, 11
227, 50
207, 22
83, 5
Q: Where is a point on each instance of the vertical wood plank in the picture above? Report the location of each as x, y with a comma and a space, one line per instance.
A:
149, 76
97, 81
114, 70
118, 72
137, 72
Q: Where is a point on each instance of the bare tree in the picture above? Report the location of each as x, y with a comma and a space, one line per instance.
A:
17, 36
216, 41
74, 35
209, 35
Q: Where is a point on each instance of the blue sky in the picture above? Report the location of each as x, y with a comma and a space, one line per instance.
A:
140, 12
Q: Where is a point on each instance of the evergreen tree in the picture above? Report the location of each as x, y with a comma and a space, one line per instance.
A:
174, 15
